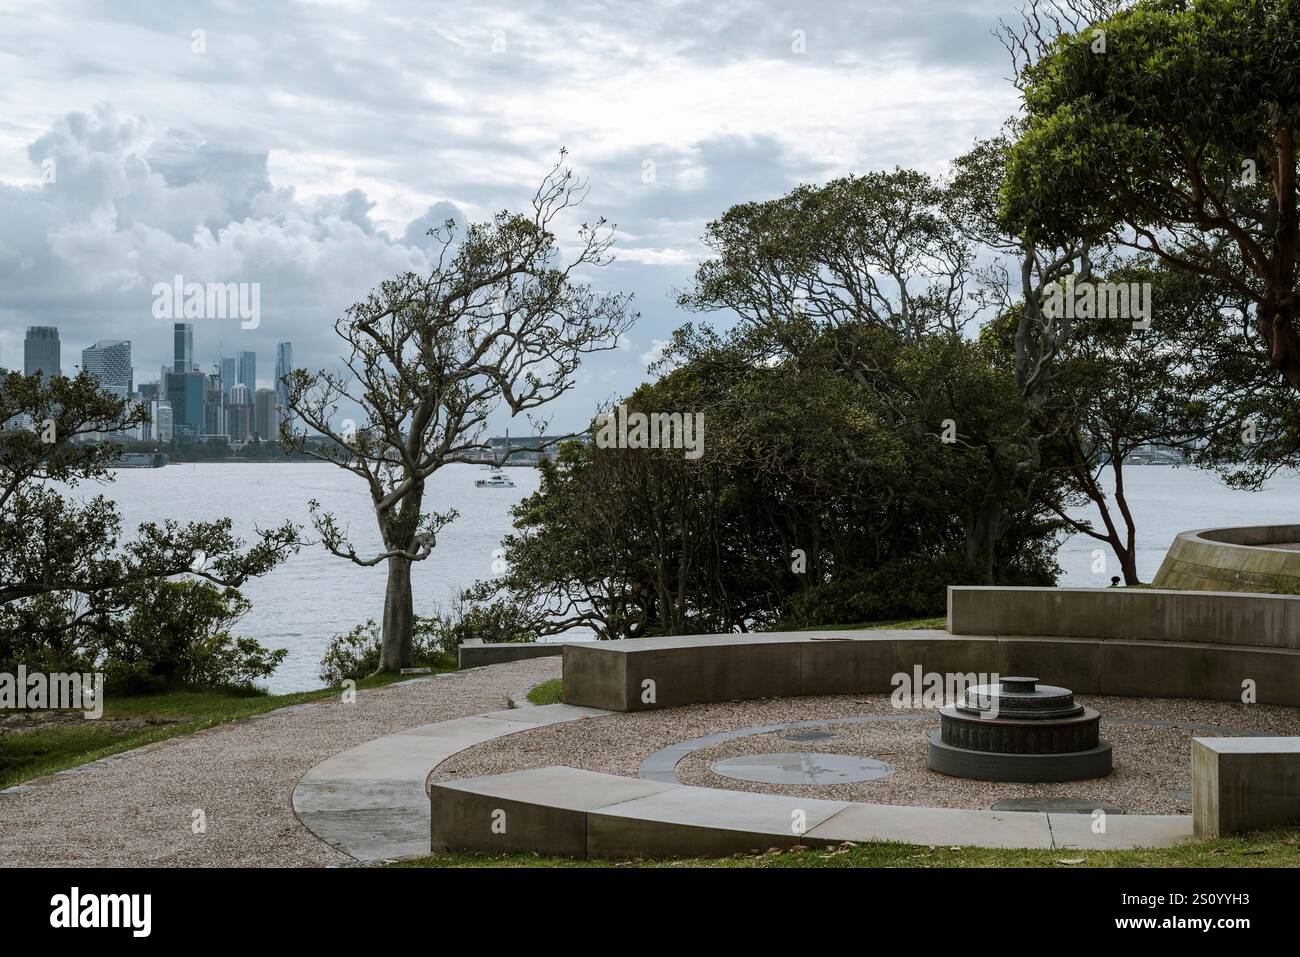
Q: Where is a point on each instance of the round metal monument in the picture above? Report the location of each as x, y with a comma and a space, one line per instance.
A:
1018, 730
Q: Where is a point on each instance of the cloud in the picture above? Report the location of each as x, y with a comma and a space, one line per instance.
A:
654, 353
129, 207
311, 145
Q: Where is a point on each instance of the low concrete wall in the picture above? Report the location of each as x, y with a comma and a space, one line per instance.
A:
649, 673
1233, 559
1244, 784
473, 656
1141, 614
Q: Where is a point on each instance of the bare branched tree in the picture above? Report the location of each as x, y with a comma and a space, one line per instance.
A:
501, 320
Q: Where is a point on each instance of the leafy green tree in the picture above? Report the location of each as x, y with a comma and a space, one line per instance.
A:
63, 561
1169, 127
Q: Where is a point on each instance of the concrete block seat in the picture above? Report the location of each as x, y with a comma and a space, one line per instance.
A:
1244, 784
1128, 642
575, 813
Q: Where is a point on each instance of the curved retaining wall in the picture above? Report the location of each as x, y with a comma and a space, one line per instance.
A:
1128, 642
1233, 559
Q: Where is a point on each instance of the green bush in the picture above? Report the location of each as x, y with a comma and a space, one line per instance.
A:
356, 653
907, 588
177, 634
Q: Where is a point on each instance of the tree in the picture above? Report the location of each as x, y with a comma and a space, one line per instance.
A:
1169, 128
500, 320
877, 269
60, 561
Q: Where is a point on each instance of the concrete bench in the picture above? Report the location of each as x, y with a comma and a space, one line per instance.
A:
574, 813
1244, 784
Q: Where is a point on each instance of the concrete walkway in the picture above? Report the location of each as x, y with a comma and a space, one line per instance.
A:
370, 802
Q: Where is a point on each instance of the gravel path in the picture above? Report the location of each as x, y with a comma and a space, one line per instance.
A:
139, 810
1151, 763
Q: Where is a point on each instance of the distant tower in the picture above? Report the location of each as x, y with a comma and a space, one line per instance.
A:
266, 418
41, 351
183, 347
283, 366
248, 371
239, 414
109, 360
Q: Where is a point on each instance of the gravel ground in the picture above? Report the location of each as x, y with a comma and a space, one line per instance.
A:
1150, 763
138, 811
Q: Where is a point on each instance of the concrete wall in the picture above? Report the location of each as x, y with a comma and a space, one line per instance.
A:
1233, 559
473, 656
649, 673
1142, 614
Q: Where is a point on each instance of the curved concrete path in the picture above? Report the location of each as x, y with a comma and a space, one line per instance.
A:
370, 802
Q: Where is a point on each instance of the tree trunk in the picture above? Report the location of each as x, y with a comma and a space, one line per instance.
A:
399, 617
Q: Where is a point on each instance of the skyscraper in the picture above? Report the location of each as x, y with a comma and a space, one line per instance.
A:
239, 414
41, 351
229, 376
248, 371
266, 418
283, 366
109, 360
183, 347
185, 393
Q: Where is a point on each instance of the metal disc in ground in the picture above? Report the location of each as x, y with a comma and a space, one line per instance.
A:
1058, 805
802, 767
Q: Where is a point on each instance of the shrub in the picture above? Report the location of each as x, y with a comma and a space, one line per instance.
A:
356, 653
176, 633
907, 588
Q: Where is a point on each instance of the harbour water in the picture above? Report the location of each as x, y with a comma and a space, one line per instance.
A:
315, 595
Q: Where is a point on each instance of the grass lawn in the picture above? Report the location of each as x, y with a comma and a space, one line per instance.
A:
548, 692
1279, 848
130, 722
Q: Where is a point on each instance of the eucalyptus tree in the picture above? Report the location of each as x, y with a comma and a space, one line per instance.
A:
500, 321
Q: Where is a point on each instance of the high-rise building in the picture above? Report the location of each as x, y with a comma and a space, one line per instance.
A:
185, 393
229, 376
266, 418
283, 366
109, 360
239, 414
248, 371
159, 426
183, 347
214, 417
41, 351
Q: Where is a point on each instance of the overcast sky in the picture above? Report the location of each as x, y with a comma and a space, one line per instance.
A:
308, 145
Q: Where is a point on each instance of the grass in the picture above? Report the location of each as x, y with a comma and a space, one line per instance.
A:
1280, 848
167, 714
548, 692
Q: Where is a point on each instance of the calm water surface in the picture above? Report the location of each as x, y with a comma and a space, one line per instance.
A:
314, 595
